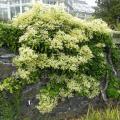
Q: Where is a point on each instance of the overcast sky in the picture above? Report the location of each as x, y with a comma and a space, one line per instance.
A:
91, 2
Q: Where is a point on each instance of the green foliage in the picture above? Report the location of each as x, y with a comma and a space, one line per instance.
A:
9, 36
9, 103
9, 106
69, 51
108, 10
118, 27
12, 85
5, 109
109, 113
62, 86
116, 57
113, 90
10, 91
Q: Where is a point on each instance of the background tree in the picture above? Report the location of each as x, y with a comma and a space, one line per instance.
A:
109, 11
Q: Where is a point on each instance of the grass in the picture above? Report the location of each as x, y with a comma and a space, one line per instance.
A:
109, 113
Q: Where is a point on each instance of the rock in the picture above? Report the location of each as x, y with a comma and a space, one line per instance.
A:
69, 108
7, 56
6, 66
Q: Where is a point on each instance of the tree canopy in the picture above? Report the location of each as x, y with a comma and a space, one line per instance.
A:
108, 10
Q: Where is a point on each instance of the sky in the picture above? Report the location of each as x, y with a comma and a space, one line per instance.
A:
91, 2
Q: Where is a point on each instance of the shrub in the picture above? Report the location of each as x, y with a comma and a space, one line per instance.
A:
9, 36
70, 51
66, 50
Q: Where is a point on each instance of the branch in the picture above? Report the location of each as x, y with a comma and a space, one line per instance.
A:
103, 87
111, 63
104, 83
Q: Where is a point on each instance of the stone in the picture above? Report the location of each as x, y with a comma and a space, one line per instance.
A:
7, 56
6, 66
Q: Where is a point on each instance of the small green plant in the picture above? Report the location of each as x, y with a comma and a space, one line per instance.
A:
113, 90
9, 106
107, 114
